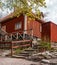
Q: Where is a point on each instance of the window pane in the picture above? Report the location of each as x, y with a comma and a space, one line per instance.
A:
18, 25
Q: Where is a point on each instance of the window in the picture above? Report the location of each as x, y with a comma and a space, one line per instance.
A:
18, 25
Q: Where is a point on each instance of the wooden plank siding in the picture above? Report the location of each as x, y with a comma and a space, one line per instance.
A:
10, 24
49, 32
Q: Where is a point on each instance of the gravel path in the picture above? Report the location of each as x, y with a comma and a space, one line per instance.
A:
15, 61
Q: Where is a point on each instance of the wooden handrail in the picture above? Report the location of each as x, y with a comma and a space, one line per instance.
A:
21, 41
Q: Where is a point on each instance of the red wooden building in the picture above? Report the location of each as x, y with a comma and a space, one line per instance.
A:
49, 31
21, 24
24, 25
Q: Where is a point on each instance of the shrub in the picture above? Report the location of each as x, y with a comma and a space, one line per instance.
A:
45, 45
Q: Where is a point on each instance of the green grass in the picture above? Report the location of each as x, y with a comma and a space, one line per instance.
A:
19, 50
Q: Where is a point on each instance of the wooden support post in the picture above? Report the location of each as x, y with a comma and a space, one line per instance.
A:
11, 49
32, 33
23, 35
31, 43
1, 38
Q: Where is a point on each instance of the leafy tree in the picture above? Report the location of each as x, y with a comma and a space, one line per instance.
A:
0, 4
25, 6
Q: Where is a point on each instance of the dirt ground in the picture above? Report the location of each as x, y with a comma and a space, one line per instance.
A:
15, 61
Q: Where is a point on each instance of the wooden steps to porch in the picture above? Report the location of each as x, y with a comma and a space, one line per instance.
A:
25, 54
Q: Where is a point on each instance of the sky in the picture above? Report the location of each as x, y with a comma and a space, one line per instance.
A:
50, 11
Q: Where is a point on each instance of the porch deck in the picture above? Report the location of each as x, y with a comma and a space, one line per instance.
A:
16, 40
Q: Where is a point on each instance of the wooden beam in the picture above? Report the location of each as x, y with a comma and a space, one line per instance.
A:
21, 41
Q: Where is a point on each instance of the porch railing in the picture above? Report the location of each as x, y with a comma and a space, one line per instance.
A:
27, 34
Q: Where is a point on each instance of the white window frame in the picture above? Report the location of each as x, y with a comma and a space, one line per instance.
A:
18, 25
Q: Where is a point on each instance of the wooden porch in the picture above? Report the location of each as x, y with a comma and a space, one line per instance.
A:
26, 34
16, 40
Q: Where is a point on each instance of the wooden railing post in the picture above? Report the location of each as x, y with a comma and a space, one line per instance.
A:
24, 34
11, 36
17, 36
6, 37
32, 33
11, 49
1, 38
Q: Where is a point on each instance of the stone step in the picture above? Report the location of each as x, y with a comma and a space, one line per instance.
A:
17, 56
29, 50
24, 54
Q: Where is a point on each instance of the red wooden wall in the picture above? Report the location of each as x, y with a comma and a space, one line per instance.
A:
49, 32
53, 32
46, 31
10, 24
35, 26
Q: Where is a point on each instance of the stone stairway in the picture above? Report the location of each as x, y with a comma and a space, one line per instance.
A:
25, 54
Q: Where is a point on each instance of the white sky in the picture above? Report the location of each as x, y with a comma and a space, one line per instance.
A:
50, 11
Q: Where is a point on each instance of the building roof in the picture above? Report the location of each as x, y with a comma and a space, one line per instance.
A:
40, 20
10, 16
51, 22
6, 17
